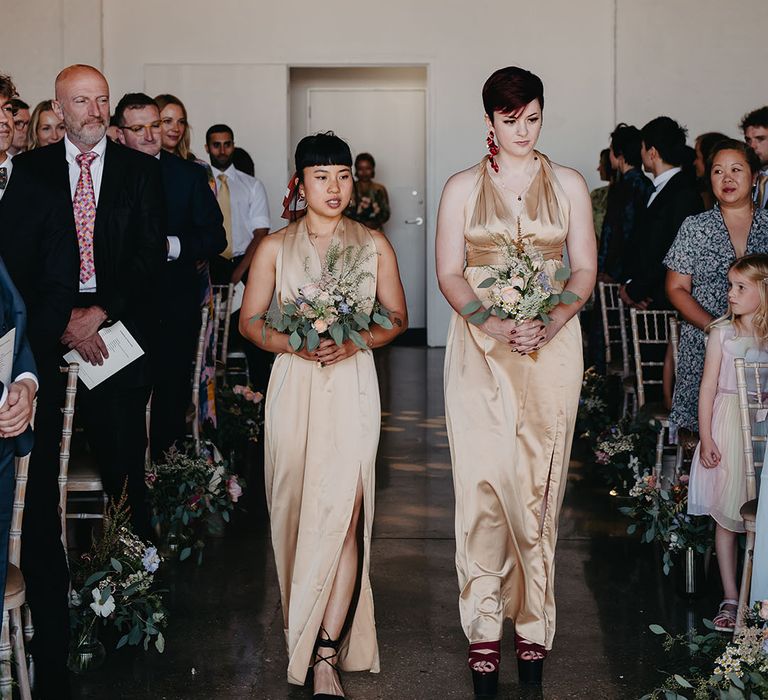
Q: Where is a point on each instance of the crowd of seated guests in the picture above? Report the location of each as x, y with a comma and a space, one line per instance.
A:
107, 217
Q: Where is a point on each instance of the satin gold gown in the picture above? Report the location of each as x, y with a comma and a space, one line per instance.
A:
321, 435
510, 424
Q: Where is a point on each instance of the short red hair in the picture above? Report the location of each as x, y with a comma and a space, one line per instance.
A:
509, 89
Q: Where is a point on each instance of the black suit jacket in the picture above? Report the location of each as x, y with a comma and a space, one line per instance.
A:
195, 218
39, 244
655, 231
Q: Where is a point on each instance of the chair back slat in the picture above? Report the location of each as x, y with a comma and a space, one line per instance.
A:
19, 496
649, 328
223, 295
747, 404
674, 340
613, 316
65, 446
196, 377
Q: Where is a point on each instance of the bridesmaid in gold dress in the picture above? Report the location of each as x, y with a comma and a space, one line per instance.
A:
511, 415
322, 428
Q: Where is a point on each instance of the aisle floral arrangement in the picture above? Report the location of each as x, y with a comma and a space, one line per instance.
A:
595, 414
239, 415
626, 450
718, 668
661, 515
114, 584
187, 493
331, 306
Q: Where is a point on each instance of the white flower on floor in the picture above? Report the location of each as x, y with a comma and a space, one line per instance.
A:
218, 473
75, 601
104, 609
151, 560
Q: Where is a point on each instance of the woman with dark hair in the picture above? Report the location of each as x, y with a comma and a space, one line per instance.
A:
370, 200
705, 143
599, 196
44, 126
322, 422
698, 261
511, 389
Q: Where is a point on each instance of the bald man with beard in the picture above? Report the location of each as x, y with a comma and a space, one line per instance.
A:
81, 229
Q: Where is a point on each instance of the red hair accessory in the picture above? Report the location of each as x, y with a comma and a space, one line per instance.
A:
294, 206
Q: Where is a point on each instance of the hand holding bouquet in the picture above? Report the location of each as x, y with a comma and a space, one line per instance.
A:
521, 288
332, 306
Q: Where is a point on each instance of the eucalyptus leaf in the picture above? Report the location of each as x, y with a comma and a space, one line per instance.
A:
94, 577
185, 553
336, 332
357, 339
488, 282
562, 273
568, 297
682, 682
362, 320
116, 565
471, 307
225, 516
313, 340
123, 641
160, 642
134, 636
383, 321
545, 319
295, 341
290, 309
480, 317
657, 629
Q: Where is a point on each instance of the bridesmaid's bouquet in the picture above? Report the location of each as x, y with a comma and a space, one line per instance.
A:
333, 306
522, 288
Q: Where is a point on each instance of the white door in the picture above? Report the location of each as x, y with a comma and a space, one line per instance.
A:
389, 124
251, 99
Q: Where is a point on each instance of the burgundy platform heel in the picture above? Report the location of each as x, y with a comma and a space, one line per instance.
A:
484, 659
530, 661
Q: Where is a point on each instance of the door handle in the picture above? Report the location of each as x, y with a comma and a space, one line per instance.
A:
418, 221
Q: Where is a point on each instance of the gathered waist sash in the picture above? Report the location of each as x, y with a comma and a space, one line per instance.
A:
479, 255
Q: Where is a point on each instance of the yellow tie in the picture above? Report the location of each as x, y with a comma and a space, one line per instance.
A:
226, 212
762, 180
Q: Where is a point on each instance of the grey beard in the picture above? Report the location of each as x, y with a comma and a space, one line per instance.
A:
88, 135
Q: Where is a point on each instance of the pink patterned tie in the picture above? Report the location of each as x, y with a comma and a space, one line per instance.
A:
84, 205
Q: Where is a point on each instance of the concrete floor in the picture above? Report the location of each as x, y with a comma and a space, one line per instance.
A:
225, 639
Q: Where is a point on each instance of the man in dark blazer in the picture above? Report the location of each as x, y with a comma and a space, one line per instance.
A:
194, 232
674, 198
81, 231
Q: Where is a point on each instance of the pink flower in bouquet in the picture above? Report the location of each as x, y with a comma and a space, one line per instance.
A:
764, 610
601, 457
509, 294
309, 291
239, 389
652, 481
306, 310
684, 478
193, 501
234, 489
320, 325
257, 397
150, 478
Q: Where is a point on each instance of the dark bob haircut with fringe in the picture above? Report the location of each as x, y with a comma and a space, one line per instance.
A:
509, 89
321, 149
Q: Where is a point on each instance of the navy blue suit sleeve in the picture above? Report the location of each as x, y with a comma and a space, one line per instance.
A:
207, 237
24, 360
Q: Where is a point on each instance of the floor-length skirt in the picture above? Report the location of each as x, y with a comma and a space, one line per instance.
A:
510, 423
321, 435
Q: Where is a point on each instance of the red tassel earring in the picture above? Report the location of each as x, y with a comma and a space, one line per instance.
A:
493, 149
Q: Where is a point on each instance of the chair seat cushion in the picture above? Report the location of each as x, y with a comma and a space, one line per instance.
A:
749, 510
84, 474
14, 588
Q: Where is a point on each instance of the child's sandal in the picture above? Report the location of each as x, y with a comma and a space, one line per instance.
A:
725, 620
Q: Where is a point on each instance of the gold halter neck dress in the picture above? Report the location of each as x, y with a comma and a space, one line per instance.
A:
321, 435
510, 424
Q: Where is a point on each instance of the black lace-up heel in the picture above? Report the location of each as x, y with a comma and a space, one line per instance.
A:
327, 643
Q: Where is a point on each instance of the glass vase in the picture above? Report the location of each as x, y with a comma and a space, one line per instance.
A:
87, 652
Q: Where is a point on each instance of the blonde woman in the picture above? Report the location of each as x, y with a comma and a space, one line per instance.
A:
175, 126
45, 127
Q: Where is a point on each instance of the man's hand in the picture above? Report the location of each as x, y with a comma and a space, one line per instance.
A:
238, 273
16, 413
83, 323
630, 302
93, 349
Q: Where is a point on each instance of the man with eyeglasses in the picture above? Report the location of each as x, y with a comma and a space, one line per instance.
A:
20, 126
82, 236
194, 232
7, 113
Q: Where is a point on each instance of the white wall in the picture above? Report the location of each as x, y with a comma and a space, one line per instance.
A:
700, 61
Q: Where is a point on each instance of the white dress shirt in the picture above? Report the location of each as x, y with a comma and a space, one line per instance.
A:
661, 180
97, 169
8, 165
248, 202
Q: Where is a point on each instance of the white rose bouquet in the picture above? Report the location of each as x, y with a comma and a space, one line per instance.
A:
525, 287
332, 306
